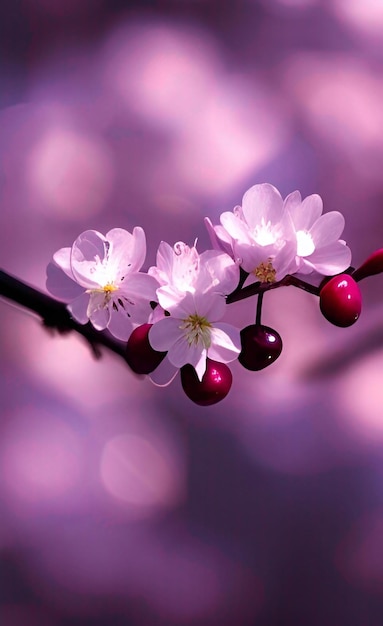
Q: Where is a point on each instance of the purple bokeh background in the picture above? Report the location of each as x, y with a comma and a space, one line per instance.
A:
122, 503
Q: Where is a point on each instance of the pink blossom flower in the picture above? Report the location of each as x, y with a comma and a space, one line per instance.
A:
192, 292
260, 234
318, 245
100, 274
271, 238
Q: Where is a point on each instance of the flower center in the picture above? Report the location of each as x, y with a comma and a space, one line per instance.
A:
197, 329
305, 244
109, 288
265, 272
265, 234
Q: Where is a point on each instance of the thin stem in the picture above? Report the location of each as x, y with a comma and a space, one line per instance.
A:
259, 308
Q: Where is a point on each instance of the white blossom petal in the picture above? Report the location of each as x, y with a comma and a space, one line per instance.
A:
164, 374
331, 259
210, 305
220, 239
225, 343
120, 325
98, 311
218, 271
262, 202
236, 228
79, 308
164, 333
62, 259
127, 251
327, 229
292, 200
87, 259
139, 286
60, 285
181, 353
304, 215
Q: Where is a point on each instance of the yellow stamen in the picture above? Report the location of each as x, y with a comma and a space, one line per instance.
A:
265, 272
197, 329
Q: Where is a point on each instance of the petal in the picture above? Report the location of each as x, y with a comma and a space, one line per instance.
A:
331, 259
165, 333
327, 229
79, 308
200, 366
285, 262
164, 374
262, 202
87, 256
62, 259
307, 213
60, 285
292, 200
181, 353
178, 304
139, 286
218, 272
235, 227
98, 312
220, 239
210, 305
120, 325
127, 251
226, 343
163, 270
250, 256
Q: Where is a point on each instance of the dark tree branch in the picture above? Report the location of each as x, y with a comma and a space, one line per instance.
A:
55, 314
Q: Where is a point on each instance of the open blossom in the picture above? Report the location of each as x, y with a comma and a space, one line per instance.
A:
271, 238
101, 276
318, 245
192, 292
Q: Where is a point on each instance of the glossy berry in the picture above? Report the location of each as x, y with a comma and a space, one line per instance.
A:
261, 346
340, 300
372, 265
214, 386
140, 356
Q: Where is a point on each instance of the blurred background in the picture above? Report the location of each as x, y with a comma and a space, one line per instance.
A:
122, 503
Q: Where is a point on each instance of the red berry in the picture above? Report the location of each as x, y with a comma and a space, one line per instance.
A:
214, 386
140, 355
372, 265
261, 346
340, 300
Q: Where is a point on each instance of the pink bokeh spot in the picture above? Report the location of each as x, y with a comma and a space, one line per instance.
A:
71, 173
144, 475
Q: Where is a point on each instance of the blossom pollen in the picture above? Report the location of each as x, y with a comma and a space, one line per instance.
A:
265, 272
197, 329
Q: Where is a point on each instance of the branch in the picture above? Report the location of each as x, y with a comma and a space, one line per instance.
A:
258, 288
55, 314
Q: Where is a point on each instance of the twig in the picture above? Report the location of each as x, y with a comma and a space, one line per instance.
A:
55, 314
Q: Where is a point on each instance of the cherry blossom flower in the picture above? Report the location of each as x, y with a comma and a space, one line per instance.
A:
270, 237
318, 245
260, 234
100, 274
192, 292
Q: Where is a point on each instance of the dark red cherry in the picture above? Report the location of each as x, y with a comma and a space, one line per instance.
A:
214, 386
261, 346
372, 265
140, 355
340, 300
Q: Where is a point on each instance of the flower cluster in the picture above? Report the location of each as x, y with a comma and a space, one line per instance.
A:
173, 312
271, 238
